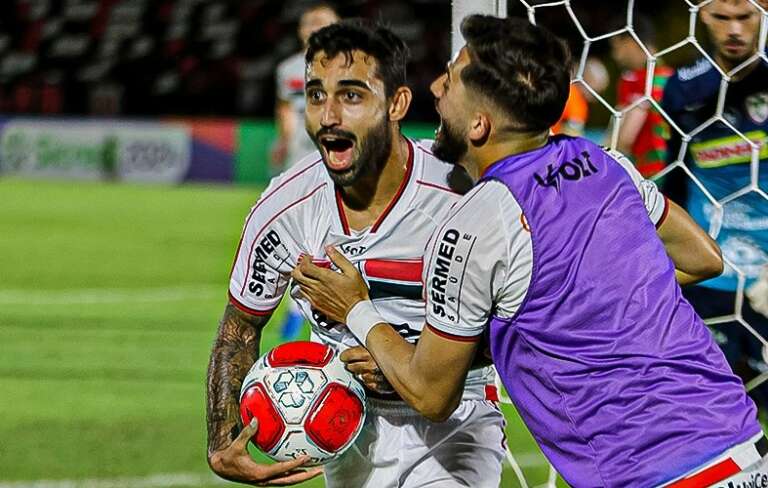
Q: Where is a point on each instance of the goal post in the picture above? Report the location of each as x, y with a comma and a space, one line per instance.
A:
463, 8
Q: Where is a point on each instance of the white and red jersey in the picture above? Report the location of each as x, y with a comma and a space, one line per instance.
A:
301, 213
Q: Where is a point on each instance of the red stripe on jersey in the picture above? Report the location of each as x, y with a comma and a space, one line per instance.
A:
438, 187
665, 213
321, 263
709, 476
264, 198
398, 194
394, 270
342, 215
296, 84
258, 234
400, 190
453, 337
421, 148
248, 310
491, 393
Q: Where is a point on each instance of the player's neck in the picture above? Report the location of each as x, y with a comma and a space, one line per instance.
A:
494, 151
367, 198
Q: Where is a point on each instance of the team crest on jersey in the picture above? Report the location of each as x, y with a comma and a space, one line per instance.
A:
757, 107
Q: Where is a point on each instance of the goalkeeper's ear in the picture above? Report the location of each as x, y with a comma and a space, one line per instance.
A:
400, 103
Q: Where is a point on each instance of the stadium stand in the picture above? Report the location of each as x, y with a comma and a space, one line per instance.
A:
182, 57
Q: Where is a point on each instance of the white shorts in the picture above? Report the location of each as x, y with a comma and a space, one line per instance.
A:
398, 448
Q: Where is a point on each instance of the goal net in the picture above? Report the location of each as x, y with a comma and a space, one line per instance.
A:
691, 43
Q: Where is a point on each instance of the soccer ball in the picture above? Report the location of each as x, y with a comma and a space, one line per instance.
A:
306, 403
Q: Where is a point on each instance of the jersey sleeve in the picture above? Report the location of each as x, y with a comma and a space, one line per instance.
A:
264, 259
629, 88
468, 269
655, 202
623, 92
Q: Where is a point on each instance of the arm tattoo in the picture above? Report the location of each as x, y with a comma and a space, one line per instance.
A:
235, 349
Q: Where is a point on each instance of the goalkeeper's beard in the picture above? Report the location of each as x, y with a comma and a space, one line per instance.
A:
450, 145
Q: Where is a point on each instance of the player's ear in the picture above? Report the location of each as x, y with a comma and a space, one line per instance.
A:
400, 103
479, 128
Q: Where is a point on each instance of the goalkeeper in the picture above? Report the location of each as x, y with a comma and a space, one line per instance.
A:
555, 256
720, 160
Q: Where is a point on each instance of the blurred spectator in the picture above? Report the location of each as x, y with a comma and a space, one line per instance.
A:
292, 140
643, 131
722, 161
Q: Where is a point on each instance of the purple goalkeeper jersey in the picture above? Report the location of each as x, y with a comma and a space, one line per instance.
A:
618, 379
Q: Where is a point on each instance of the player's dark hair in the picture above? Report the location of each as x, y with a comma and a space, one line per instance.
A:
346, 36
522, 68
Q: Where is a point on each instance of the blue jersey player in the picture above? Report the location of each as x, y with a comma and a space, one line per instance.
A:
569, 262
722, 161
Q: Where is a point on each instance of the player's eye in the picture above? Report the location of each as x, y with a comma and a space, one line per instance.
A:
351, 96
315, 96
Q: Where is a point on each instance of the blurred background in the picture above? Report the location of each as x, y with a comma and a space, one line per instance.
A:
134, 137
204, 72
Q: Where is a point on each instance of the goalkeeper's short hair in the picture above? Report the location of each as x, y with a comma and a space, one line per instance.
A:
523, 69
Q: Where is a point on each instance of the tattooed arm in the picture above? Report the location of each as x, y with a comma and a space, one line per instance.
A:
235, 349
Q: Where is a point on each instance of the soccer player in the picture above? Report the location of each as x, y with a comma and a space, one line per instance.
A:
569, 261
293, 143
643, 131
721, 160
377, 196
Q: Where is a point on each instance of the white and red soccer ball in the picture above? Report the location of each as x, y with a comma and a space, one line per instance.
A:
306, 403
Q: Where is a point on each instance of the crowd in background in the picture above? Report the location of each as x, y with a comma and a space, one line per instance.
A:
211, 57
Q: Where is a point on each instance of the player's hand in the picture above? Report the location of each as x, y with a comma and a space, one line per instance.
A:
360, 363
333, 293
234, 463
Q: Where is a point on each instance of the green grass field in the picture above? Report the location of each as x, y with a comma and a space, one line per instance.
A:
109, 300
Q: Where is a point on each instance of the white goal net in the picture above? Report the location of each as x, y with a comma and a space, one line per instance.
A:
693, 41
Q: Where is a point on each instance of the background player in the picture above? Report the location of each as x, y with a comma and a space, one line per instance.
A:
643, 132
293, 142
378, 196
720, 160
616, 377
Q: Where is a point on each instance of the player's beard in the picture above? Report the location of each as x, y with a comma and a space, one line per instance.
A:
450, 144
373, 150
736, 58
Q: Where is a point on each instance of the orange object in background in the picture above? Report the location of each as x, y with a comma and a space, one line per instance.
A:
575, 114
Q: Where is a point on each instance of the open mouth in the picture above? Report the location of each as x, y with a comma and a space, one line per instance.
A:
439, 129
338, 150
